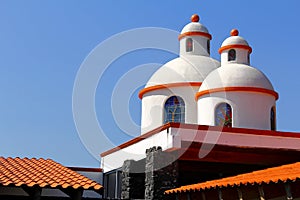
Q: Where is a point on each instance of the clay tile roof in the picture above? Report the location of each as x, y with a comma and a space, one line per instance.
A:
283, 173
43, 173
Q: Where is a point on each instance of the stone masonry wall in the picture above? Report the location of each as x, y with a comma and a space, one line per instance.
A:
133, 179
161, 173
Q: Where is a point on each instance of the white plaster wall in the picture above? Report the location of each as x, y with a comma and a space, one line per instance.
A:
136, 151
249, 109
241, 57
199, 46
173, 137
153, 106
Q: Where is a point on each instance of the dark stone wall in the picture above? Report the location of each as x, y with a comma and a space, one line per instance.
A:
133, 179
150, 177
161, 173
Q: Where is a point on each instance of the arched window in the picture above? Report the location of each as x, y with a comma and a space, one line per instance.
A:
273, 119
189, 44
231, 55
248, 57
223, 115
174, 110
208, 46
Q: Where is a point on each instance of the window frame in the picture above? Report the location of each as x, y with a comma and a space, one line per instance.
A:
233, 58
208, 47
176, 116
189, 45
227, 108
248, 57
273, 118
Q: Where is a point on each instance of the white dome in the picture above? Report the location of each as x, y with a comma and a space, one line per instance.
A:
194, 27
235, 40
184, 69
236, 75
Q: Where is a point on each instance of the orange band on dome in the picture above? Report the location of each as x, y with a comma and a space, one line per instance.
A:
195, 33
235, 46
237, 89
169, 85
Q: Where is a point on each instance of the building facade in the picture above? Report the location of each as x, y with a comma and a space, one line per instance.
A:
201, 120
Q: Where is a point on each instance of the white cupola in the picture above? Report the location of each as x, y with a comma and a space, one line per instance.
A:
235, 49
237, 94
169, 94
194, 39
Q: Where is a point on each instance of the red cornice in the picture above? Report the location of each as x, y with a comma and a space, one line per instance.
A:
203, 128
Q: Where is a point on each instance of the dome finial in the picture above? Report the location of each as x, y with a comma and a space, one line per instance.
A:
234, 32
195, 18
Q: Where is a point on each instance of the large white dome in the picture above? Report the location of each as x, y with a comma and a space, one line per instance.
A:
236, 75
184, 69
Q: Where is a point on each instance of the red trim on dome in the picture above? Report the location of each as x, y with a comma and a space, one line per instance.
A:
165, 86
195, 34
237, 89
235, 46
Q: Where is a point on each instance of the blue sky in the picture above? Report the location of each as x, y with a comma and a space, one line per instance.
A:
43, 44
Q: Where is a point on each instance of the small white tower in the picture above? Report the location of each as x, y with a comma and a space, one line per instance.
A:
194, 39
169, 94
237, 94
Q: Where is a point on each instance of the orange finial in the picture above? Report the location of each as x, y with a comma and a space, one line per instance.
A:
234, 32
195, 18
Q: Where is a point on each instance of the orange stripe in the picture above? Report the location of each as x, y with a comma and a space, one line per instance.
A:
237, 89
238, 46
193, 34
169, 85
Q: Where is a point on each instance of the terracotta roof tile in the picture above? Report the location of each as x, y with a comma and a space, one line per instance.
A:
42, 173
283, 173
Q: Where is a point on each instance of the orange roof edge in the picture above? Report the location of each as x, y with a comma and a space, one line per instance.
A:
284, 173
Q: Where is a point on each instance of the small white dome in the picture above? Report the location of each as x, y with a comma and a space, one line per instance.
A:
195, 28
235, 41
183, 69
236, 75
